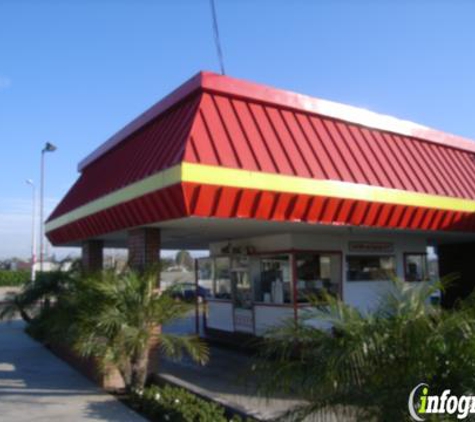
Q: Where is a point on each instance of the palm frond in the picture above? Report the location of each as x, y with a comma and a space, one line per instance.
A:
174, 346
114, 318
366, 363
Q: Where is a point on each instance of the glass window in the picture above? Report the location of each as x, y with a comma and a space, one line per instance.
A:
317, 274
369, 268
273, 285
415, 267
241, 282
206, 273
222, 282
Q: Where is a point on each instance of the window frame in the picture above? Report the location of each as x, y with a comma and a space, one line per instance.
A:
293, 267
213, 259
380, 255
293, 273
330, 254
273, 255
405, 257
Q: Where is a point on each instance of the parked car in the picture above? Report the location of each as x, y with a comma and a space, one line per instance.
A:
187, 291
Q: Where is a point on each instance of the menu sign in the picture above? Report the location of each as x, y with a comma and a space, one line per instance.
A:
371, 247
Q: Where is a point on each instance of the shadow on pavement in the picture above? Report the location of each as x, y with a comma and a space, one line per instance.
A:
36, 385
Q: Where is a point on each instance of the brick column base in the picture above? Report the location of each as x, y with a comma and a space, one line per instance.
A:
144, 248
144, 253
92, 256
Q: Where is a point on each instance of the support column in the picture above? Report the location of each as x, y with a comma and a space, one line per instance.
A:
457, 258
144, 253
197, 300
293, 284
92, 255
144, 248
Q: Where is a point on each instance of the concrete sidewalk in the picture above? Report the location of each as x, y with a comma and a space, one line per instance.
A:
226, 379
6, 292
37, 386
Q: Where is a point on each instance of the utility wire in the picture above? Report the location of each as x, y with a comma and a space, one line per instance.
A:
216, 37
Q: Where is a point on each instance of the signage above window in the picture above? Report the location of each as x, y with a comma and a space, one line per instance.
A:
371, 247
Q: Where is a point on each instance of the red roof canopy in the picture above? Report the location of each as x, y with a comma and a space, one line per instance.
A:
294, 158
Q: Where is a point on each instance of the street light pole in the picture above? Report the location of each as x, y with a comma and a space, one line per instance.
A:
33, 229
47, 148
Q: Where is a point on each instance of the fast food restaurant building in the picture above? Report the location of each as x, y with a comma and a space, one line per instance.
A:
291, 195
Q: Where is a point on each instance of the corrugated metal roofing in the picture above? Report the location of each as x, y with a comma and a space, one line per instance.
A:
156, 146
240, 133
219, 121
229, 202
165, 204
211, 82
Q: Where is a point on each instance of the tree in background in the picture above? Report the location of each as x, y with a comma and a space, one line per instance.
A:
12, 263
184, 259
166, 263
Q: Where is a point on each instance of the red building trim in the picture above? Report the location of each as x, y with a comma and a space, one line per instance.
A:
208, 81
224, 123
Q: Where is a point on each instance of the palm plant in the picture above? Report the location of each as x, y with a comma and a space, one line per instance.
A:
48, 286
364, 365
116, 318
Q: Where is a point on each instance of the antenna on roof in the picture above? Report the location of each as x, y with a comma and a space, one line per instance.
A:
216, 37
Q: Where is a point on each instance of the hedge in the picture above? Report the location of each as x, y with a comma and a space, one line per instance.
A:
14, 278
173, 404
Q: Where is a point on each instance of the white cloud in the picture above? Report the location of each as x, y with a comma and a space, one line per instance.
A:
5, 82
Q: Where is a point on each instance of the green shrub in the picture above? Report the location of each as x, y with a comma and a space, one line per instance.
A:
173, 404
365, 366
50, 277
14, 278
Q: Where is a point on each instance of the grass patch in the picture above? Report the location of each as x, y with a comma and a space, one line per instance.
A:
9, 278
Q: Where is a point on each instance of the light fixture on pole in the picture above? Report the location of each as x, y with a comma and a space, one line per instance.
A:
47, 148
33, 229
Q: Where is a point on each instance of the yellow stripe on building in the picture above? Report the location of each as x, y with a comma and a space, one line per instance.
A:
223, 176
151, 184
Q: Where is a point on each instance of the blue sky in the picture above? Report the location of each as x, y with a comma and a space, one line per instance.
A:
75, 72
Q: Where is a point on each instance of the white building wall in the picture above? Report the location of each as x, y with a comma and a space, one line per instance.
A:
362, 294
260, 244
267, 317
220, 316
